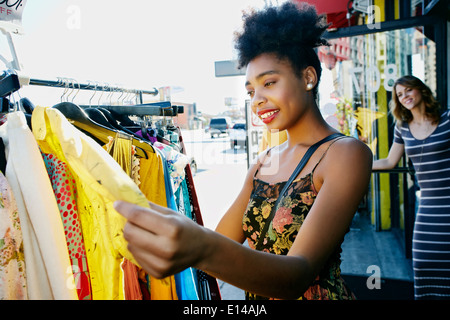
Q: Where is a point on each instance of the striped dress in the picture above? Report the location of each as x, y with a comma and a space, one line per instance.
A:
431, 236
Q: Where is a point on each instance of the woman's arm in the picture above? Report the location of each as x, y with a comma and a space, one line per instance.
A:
344, 175
164, 242
395, 153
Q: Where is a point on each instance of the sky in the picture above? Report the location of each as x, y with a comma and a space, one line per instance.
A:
141, 44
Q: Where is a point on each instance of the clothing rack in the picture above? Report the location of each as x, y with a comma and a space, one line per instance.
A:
64, 82
11, 82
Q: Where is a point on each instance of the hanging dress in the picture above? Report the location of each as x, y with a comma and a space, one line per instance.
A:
292, 211
13, 282
48, 268
121, 149
64, 188
100, 181
153, 185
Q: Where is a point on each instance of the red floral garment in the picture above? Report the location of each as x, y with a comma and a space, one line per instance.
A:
65, 190
288, 219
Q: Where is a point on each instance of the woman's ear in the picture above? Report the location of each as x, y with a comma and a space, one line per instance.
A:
310, 78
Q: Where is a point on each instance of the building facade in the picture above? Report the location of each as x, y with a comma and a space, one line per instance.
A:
372, 43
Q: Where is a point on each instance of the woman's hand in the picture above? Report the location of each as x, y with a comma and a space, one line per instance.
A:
165, 242
161, 240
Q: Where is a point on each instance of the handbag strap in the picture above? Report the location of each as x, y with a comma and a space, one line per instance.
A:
297, 170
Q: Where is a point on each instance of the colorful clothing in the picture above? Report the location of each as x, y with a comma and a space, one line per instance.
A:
100, 181
121, 149
291, 212
13, 282
176, 162
48, 267
153, 186
65, 190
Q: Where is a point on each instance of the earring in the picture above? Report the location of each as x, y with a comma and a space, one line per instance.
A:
309, 86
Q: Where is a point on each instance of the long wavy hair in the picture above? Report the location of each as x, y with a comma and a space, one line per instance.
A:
432, 106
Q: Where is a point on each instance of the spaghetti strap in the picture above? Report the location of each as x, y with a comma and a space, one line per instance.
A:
325, 152
261, 162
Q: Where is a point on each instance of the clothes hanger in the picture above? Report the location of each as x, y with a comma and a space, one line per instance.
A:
27, 105
5, 105
9, 83
113, 122
100, 133
97, 116
104, 117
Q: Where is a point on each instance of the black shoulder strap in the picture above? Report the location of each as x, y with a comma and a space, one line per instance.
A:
297, 170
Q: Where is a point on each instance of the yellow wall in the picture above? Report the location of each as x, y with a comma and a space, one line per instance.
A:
382, 130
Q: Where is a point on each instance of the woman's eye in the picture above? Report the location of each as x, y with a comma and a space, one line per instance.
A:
250, 93
269, 83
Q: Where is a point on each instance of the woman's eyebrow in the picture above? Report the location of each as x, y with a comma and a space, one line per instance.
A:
262, 74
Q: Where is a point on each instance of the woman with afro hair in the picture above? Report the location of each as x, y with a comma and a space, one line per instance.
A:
294, 228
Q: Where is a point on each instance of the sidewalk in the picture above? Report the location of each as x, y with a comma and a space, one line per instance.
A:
363, 247
365, 250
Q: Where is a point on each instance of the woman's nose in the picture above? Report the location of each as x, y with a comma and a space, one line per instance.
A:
405, 96
258, 99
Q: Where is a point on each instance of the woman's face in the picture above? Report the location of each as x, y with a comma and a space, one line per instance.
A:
408, 97
278, 96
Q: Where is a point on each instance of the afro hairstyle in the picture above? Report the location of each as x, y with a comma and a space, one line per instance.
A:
291, 32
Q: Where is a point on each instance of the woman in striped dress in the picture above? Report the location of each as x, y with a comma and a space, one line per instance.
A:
423, 132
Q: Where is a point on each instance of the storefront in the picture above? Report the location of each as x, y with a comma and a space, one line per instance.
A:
377, 42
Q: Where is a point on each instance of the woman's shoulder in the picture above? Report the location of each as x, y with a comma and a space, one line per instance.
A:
353, 144
400, 124
347, 150
349, 159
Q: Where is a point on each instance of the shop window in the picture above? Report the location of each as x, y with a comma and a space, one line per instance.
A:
355, 91
360, 71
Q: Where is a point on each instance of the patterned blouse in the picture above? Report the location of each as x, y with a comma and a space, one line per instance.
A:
292, 211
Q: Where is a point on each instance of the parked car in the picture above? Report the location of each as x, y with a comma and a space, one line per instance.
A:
238, 135
219, 125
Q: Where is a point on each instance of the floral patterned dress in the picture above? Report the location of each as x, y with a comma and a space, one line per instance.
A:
292, 211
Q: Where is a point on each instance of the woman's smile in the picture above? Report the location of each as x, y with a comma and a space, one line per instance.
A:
268, 115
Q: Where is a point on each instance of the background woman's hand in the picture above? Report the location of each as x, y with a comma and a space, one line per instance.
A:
161, 240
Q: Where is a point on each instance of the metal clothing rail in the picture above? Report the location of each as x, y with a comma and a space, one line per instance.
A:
73, 84
11, 82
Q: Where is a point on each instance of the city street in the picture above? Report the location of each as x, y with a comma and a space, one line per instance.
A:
220, 173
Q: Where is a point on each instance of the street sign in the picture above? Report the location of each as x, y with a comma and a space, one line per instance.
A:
228, 68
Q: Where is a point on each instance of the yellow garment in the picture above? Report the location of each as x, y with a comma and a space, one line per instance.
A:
153, 186
271, 139
121, 152
151, 174
100, 181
